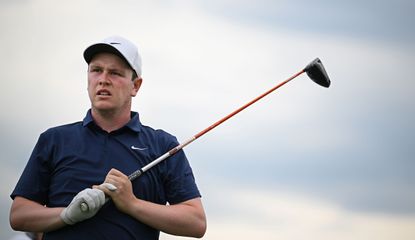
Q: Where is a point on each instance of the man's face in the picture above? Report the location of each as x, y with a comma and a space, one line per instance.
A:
110, 85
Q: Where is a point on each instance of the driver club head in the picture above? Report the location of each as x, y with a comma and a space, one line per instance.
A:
315, 70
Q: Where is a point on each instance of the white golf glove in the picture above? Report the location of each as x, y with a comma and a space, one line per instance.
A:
73, 213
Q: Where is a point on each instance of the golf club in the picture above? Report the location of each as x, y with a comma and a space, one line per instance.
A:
315, 71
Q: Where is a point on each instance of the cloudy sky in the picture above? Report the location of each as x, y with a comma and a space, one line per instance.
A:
303, 163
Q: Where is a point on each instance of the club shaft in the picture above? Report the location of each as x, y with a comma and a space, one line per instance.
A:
138, 173
203, 132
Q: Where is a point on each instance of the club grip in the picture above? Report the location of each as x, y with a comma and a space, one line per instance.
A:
135, 174
84, 206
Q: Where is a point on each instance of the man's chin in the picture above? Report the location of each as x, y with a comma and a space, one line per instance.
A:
103, 109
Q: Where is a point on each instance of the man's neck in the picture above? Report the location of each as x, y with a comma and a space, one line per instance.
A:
110, 120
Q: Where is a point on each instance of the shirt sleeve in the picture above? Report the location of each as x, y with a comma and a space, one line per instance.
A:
180, 185
34, 181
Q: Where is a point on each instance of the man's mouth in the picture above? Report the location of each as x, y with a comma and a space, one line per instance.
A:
103, 93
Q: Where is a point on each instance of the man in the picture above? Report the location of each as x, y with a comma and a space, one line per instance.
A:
83, 162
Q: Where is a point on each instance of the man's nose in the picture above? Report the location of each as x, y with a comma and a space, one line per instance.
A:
103, 79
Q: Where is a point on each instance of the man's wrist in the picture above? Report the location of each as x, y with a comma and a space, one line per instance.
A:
64, 217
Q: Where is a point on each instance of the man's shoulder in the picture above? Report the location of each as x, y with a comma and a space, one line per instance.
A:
60, 133
64, 128
155, 131
159, 135
67, 126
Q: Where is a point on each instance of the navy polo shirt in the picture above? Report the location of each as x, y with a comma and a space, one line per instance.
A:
70, 158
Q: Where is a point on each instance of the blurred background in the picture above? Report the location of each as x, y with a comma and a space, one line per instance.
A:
304, 163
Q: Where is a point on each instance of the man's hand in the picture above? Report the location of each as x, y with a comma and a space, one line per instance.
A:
184, 219
94, 198
118, 187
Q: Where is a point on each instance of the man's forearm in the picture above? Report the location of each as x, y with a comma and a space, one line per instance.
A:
30, 216
184, 219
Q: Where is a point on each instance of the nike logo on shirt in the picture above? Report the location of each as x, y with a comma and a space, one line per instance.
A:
138, 148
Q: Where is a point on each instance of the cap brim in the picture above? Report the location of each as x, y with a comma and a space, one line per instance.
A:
92, 50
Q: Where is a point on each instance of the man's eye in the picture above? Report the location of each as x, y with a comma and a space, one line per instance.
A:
116, 73
95, 70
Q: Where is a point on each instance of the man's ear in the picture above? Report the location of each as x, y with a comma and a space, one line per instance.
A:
137, 84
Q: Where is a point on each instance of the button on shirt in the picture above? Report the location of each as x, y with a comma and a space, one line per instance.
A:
70, 158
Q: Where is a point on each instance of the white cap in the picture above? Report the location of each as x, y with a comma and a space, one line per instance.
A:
119, 46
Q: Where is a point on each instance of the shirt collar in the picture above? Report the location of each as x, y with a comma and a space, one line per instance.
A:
134, 124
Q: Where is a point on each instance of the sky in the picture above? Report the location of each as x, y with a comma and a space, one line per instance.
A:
303, 163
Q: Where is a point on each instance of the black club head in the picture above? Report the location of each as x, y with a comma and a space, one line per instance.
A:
315, 70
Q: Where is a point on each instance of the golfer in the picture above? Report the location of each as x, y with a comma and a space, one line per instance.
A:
88, 161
